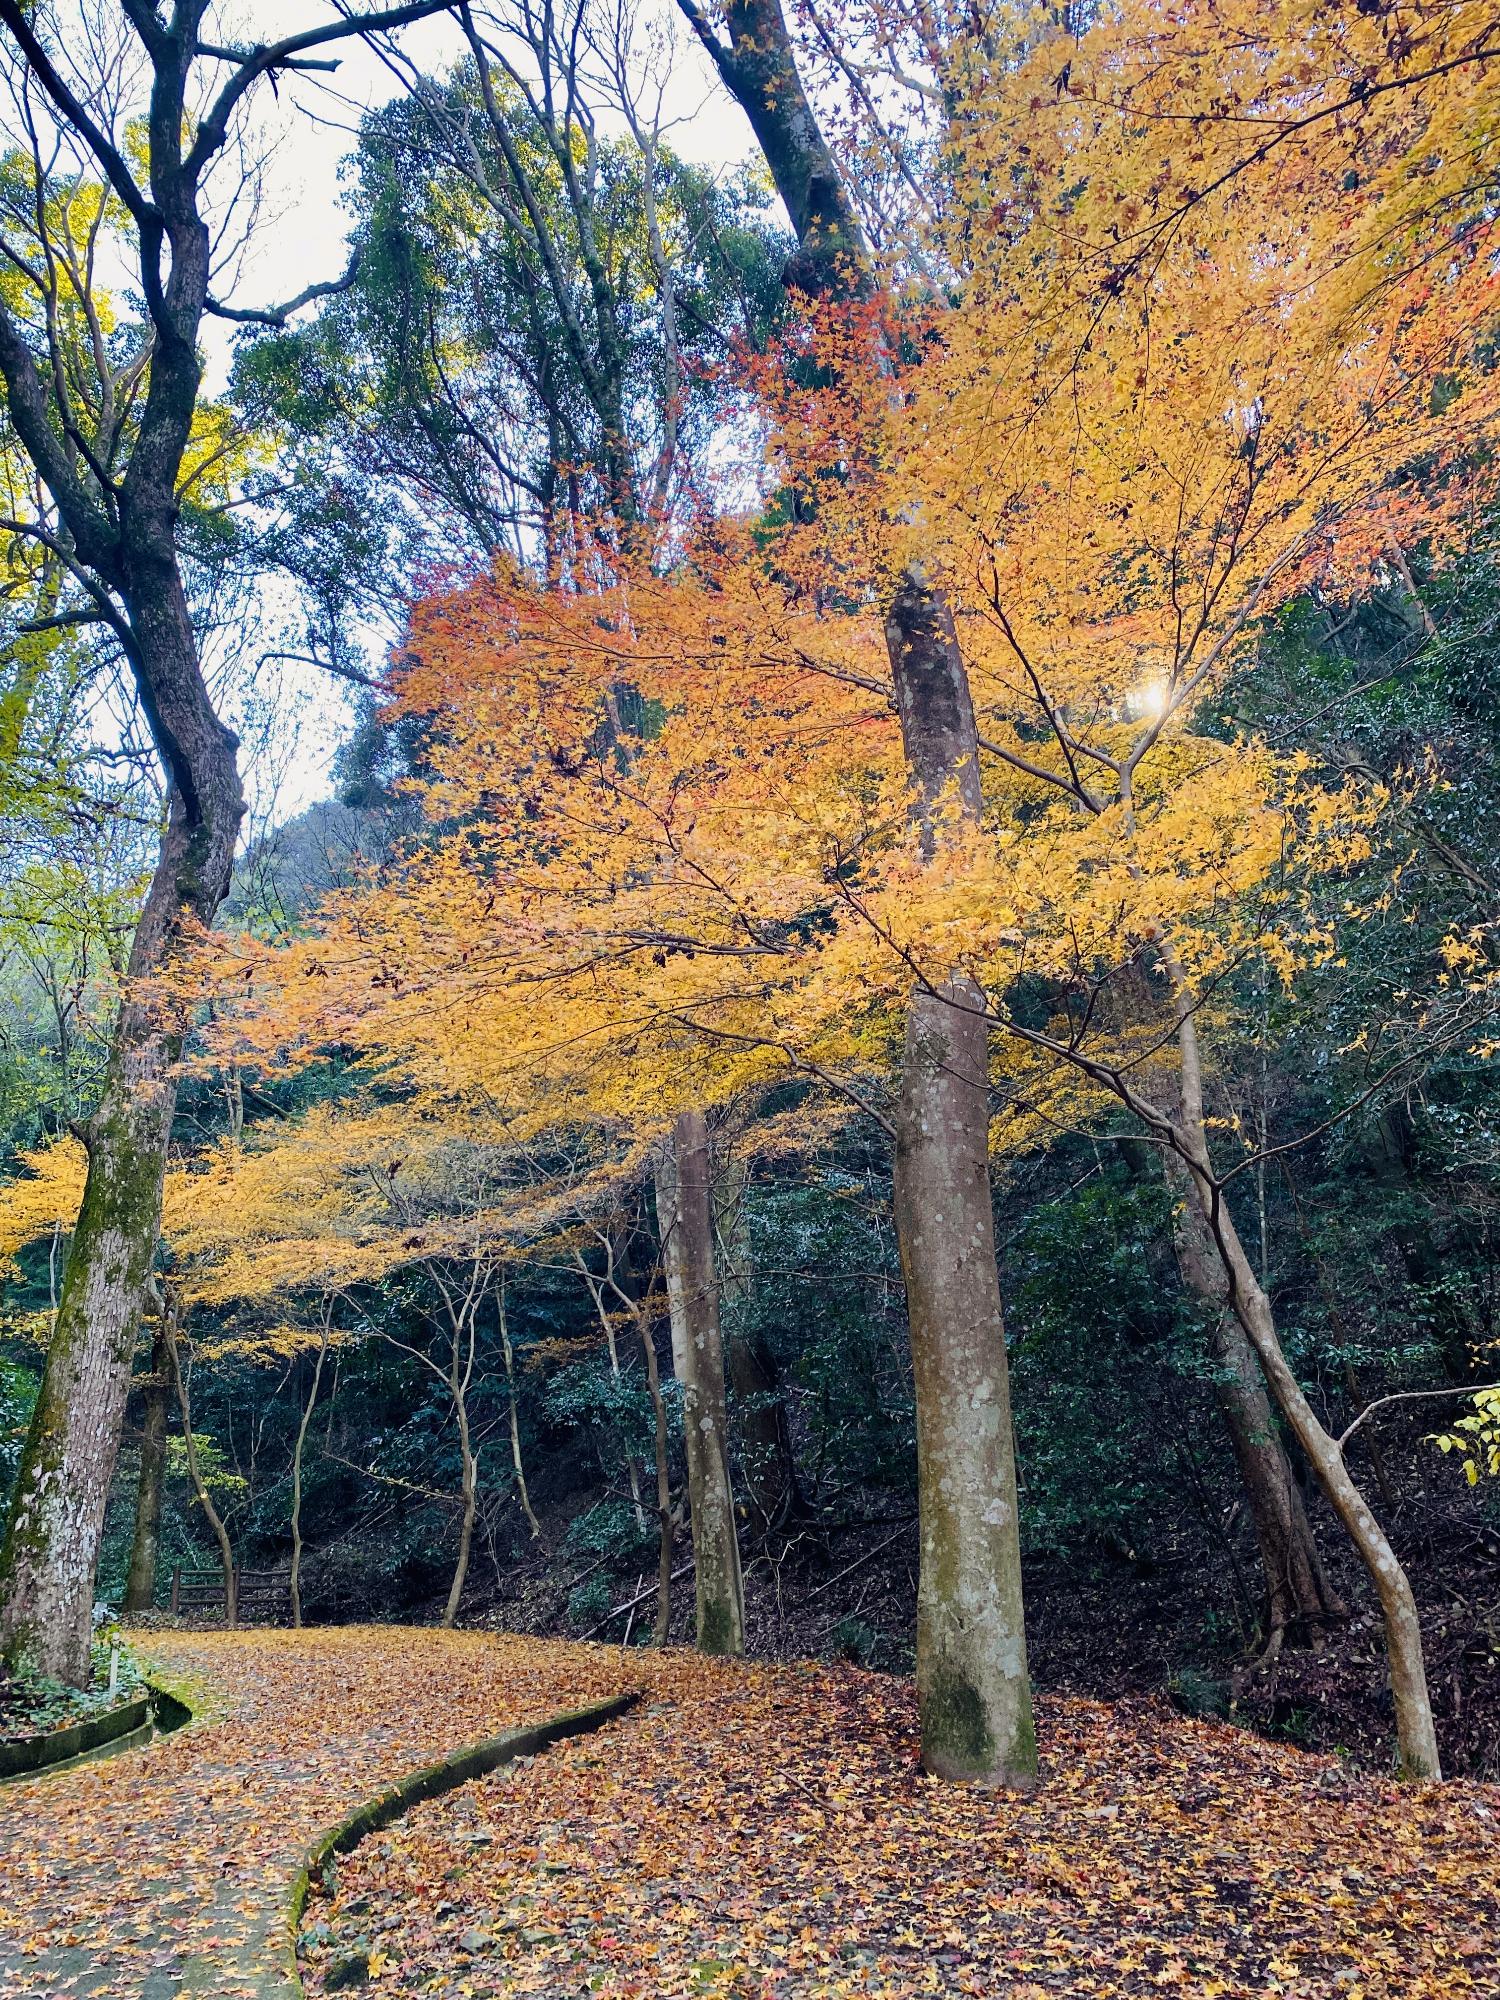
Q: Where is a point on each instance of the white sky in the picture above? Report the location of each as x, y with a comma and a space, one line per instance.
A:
301, 240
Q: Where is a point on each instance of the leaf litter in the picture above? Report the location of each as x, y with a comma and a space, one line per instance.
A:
757, 1831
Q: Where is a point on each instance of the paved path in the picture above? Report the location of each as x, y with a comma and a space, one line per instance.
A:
164, 1871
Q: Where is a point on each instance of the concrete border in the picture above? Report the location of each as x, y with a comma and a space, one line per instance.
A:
461, 1768
34, 1756
131, 1725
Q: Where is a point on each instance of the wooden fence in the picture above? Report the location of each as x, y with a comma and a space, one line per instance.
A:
262, 1596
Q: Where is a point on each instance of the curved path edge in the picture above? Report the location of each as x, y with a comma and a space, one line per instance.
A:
130, 1725
431, 1782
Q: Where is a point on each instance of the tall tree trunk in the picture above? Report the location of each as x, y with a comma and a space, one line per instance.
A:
972, 1682
145, 1548
972, 1679
56, 1523
684, 1205
1416, 1737
195, 1473
307, 1411
118, 516
765, 1435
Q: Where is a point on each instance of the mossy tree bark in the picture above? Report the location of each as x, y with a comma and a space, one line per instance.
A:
973, 1686
145, 1547
109, 451
971, 1648
684, 1210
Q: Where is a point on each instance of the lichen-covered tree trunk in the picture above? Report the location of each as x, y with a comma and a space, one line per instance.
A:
684, 1207
145, 1547
68, 1462
1300, 1601
971, 1648
973, 1687
56, 1523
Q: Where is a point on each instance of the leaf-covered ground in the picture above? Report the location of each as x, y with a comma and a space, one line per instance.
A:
757, 1831
166, 1870
746, 1831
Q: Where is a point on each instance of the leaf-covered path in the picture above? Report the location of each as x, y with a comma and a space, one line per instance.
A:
763, 1832
166, 1871
748, 1831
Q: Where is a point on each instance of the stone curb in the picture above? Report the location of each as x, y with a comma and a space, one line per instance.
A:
128, 1726
32, 1756
431, 1783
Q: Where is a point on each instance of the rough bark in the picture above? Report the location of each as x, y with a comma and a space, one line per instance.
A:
684, 1204
145, 1547
972, 1678
297, 1451
117, 506
972, 1681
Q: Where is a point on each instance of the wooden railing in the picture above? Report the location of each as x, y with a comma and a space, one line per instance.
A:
262, 1596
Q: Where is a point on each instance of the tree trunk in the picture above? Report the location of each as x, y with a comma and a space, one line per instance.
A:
1416, 1737
972, 1681
684, 1202
307, 1410
56, 1523
1300, 1602
663, 1481
195, 1475
459, 1384
145, 1549
971, 1647
770, 1468
515, 1427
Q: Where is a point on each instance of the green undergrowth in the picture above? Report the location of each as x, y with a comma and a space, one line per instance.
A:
36, 1705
